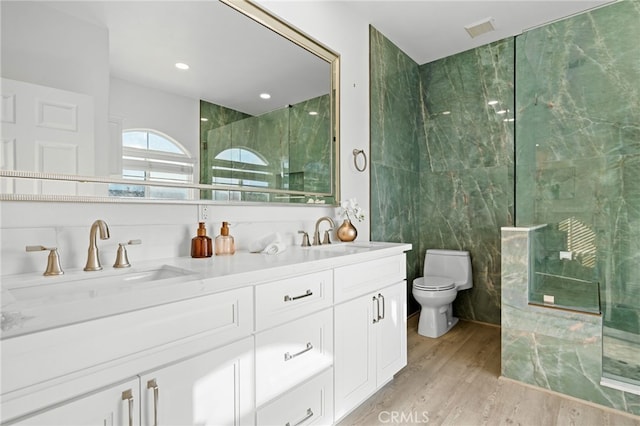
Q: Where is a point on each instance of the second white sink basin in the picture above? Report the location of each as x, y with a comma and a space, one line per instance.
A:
348, 248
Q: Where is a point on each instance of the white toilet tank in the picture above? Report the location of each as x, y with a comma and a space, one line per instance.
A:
454, 264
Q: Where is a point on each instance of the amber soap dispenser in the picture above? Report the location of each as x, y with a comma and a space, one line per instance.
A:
201, 245
224, 241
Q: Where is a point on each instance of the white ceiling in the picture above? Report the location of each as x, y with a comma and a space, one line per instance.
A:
428, 30
148, 37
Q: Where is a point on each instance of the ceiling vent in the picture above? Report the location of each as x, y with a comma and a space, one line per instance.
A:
479, 28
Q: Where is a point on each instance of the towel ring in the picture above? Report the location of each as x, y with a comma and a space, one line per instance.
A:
357, 152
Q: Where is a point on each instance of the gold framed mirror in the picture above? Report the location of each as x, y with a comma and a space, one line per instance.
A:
146, 137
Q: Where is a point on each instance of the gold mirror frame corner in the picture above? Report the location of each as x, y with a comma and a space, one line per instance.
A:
279, 26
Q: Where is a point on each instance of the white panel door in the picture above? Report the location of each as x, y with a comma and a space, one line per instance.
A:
117, 405
355, 360
46, 130
391, 332
215, 388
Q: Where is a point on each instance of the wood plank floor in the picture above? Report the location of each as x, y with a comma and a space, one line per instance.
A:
454, 380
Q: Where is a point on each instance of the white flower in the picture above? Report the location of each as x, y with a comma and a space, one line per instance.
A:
350, 209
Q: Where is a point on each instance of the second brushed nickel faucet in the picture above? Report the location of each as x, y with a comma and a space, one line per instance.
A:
316, 233
93, 260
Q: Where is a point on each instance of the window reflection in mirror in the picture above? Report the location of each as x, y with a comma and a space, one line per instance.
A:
149, 155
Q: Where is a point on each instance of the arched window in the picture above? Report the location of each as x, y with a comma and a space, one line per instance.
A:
239, 166
148, 155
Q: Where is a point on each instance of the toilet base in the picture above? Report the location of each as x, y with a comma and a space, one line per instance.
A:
434, 322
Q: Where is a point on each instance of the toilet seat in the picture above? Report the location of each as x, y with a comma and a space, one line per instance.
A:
433, 283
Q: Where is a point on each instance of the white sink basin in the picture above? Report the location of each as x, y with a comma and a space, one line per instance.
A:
80, 284
349, 248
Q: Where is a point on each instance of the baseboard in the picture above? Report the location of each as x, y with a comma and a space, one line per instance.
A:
573, 398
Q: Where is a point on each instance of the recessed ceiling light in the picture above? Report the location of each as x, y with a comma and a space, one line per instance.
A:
182, 66
265, 96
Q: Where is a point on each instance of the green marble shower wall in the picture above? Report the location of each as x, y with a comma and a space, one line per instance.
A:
396, 140
578, 161
550, 348
442, 160
466, 167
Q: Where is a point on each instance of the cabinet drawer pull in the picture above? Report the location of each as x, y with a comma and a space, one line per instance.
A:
288, 298
128, 396
307, 417
152, 384
376, 315
288, 356
381, 297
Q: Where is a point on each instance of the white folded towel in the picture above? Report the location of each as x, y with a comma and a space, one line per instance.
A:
261, 244
275, 248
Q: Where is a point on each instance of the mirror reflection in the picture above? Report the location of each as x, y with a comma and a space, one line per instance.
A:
162, 100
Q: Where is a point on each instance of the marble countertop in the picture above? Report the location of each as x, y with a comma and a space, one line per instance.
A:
33, 303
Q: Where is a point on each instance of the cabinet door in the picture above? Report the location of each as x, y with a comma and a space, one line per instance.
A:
214, 388
391, 332
355, 368
116, 405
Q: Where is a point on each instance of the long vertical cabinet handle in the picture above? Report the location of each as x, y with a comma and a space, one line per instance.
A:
381, 297
128, 396
152, 384
376, 316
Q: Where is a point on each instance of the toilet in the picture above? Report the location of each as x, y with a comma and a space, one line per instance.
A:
445, 273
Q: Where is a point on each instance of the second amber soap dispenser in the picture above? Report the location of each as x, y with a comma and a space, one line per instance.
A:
224, 243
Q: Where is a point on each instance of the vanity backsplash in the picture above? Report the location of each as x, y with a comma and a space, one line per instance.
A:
165, 230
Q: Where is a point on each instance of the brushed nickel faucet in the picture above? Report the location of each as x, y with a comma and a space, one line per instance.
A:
93, 261
316, 233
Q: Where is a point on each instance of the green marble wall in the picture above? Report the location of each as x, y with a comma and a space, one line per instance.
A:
550, 348
396, 140
576, 99
578, 161
442, 160
466, 167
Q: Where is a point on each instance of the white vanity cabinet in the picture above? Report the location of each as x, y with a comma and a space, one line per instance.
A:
370, 329
301, 342
214, 388
199, 351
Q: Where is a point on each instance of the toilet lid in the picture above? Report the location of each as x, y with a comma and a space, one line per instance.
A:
433, 283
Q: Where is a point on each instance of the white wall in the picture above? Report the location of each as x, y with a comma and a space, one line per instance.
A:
166, 229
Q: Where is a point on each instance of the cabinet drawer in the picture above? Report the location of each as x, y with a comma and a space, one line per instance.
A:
289, 354
281, 301
39, 357
361, 278
308, 404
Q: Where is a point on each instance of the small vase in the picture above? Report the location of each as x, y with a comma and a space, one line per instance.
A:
347, 232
